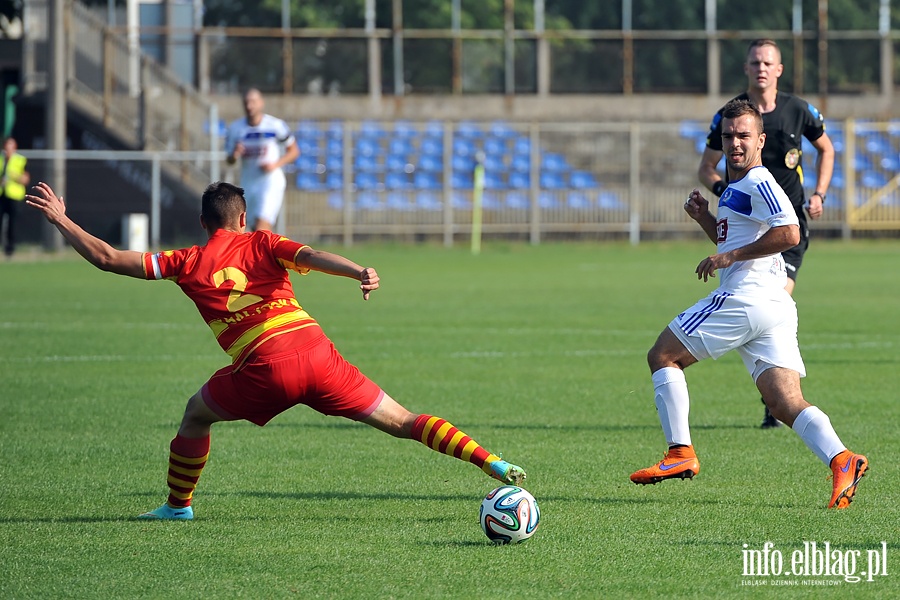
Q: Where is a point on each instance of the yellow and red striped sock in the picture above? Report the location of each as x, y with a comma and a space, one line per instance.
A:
187, 457
439, 435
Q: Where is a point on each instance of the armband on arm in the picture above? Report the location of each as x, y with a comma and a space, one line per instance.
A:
719, 187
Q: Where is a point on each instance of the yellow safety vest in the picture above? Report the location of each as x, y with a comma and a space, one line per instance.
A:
13, 189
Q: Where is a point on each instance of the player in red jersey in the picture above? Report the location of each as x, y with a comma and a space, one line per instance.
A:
280, 356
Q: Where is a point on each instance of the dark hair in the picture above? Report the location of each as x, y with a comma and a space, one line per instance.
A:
764, 42
222, 204
738, 108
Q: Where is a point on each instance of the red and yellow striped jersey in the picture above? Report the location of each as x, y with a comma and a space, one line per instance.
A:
240, 285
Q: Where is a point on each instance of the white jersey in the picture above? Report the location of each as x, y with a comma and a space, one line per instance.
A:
748, 208
263, 143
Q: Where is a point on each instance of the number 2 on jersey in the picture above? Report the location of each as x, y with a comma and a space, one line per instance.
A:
237, 299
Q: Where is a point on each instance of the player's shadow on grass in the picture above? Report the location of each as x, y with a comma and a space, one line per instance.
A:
320, 496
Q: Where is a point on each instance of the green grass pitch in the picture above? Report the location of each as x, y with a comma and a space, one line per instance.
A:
536, 352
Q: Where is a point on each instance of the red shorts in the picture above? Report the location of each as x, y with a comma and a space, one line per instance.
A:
314, 374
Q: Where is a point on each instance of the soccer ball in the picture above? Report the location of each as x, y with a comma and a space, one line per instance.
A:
509, 515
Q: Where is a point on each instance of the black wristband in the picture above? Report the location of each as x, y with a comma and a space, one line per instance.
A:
719, 187
822, 196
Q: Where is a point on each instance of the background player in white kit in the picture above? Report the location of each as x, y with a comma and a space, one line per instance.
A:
750, 312
264, 144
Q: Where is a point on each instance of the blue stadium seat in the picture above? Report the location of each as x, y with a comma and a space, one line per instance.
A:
463, 147
334, 180
307, 146
434, 129
873, 179
425, 180
491, 201
610, 201
518, 200
334, 163
397, 162
398, 201
494, 146
520, 163
309, 182
367, 147
335, 130
460, 201
548, 200
308, 129
397, 181
583, 180
891, 163
365, 180
522, 145
372, 129
553, 161
468, 129
334, 147
519, 180
461, 180
336, 201
462, 163
552, 181
494, 162
428, 201
366, 163
400, 146
307, 162
369, 201
431, 146
430, 163
404, 130
501, 129
579, 201
494, 181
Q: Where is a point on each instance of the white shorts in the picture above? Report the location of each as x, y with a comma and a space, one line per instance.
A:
264, 197
763, 330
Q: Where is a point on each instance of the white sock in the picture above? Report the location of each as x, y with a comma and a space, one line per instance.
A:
814, 428
672, 404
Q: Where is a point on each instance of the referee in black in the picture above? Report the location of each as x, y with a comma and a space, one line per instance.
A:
786, 119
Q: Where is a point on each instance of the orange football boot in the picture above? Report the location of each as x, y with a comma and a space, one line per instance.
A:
847, 469
678, 463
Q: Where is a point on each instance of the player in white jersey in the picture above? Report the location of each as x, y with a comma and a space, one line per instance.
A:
750, 312
264, 144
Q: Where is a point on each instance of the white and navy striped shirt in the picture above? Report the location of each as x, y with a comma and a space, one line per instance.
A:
748, 208
263, 143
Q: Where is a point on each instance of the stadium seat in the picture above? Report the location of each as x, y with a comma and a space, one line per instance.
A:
519, 180
468, 129
494, 162
430, 163
366, 163
501, 129
891, 163
430, 201
308, 129
582, 180
365, 180
336, 201
873, 179
404, 130
334, 163
463, 147
520, 163
309, 182
552, 181
334, 147
367, 147
579, 201
372, 129
494, 146
431, 146
307, 163
397, 162
397, 181
425, 180
307, 146
461, 180
494, 181
522, 145
548, 200
398, 201
434, 129
334, 180
335, 130
552, 161
460, 201
369, 201
462, 163
400, 146
490, 201
518, 200
610, 201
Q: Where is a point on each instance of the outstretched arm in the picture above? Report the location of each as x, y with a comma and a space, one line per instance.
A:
96, 251
335, 264
777, 239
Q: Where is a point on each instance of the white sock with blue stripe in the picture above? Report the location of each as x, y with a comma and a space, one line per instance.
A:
672, 404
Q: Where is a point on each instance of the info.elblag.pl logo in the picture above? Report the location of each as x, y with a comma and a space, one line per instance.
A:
814, 560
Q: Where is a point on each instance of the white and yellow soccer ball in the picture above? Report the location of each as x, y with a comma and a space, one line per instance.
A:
509, 515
